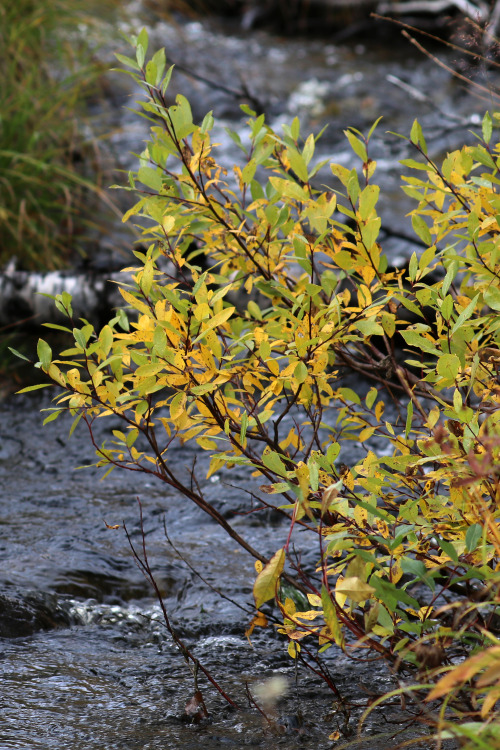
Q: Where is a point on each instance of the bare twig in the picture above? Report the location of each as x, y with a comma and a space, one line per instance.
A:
143, 564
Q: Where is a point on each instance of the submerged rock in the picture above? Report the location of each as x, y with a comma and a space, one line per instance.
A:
21, 617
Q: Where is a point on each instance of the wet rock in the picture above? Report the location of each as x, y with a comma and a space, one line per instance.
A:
21, 617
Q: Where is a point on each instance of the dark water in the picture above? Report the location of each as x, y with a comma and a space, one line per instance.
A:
324, 84
108, 675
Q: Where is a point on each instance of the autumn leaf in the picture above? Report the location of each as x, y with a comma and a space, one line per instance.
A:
355, 589
258, 621
115, 526
466, 671
265, 584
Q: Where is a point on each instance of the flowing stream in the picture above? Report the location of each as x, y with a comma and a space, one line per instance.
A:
85, 660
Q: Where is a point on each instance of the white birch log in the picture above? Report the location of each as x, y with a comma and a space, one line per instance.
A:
479, 11
22, 297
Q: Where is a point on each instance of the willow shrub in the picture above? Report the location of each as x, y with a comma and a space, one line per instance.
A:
246, 359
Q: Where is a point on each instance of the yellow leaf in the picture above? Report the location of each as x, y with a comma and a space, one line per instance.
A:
332, 629
348, 480
489, 702
207, 444
459, 675
314, 600
396, 571
366, 434
354, 588
258, 621
168, 223
491, 676
379, 410
217, 320
311, 614
264, 587
202, 311
360, 515
302, 474
135, 303
293, 649
177, 405
273, 366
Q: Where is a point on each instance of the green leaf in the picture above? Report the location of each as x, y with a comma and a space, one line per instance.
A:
370, 327
308, 150
143, 40
18, 354
181, 117
446, 308
487, 127
492, 297
128, 61
44, 353
448, 366
417, 136
370, 132
421, 229
330, 616
248, 172
391, 595
357, 145
367, 201
200, 390
150, 177
472, 537
409, 419
300, 373
298, 164
159, 61
273, 461
247, 110
464, 315
140, 55
75, 423
151, 73
35, 387
448, 549
371, 397
208, 122
417, 341
53, 416
55, 327
413, 567
353, 186
451, 273
166, 80
243, 430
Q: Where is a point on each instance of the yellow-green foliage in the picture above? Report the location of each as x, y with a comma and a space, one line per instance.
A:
255, 379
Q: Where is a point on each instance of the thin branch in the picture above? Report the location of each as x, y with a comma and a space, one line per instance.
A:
144, 566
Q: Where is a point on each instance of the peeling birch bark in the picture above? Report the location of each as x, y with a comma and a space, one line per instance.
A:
479, 11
